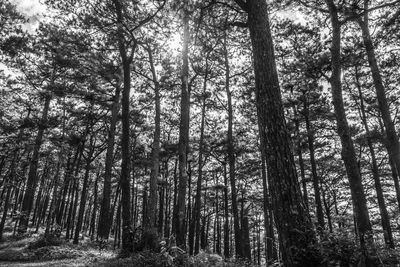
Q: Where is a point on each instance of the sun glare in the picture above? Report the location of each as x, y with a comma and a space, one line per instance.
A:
175, 44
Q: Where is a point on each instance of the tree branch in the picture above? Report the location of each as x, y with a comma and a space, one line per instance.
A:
242, 4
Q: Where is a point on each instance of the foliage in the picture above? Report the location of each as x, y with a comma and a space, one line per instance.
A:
46, 240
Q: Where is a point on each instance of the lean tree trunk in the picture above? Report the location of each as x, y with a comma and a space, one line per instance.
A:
82, 202
348, 152
316, 182
300, 155
387, 230
127, 238
194, 229
9, 181
150, 239
105, 216
231, 158
392, 138
31, 183
268, 224
226, 215
291, 217
179, 209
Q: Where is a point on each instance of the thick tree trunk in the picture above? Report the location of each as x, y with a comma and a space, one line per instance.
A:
348, 152
31, 183
179, 209
291, 217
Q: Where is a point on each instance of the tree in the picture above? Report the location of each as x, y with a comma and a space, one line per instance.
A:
289, 210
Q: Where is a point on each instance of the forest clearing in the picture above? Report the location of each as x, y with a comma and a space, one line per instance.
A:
199, 133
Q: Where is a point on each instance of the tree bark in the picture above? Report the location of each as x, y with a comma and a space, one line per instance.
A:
127, 238
105, 217
348, 152
392, 138
31, 183
316, 182
385, 220
179, 209
150, 225
194, 230
231, 157
291, 217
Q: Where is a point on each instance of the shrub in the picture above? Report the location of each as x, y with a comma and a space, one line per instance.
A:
45, 240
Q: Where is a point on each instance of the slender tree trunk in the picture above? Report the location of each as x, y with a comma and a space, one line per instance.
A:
105, 217
150, 222
387, 230
289, 210
31, 183
392, 138
348, 152
179, 209
127, 238
316, 182
82, 203
226, 214
301, 161
231, 156
194, 230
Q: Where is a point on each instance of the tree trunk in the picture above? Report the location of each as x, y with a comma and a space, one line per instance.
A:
387, 230
105, 217
291, 217
231, 156
151, 227
348, 152
179, 209
194, 230
316, 182
226, 214
392, 138
31, 183
82, 203
127, 238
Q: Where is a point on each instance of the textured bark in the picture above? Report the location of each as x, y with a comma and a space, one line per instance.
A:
392, 138
385, 220
179, 209
151, 227
31, 182
231, 157
348, 152
316, 179
194, 229
226, 215
105, 217
291, 217
127, 238
9, 181
82, 202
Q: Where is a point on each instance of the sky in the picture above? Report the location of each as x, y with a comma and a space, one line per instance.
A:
31, 9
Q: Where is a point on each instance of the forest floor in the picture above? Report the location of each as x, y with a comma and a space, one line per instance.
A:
32, 250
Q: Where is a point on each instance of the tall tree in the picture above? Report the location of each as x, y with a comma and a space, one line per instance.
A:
179, 209
291, 216
348, 152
